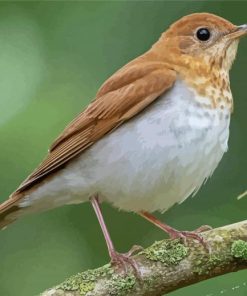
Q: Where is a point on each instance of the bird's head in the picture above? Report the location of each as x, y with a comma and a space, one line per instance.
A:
203, 37
201, 48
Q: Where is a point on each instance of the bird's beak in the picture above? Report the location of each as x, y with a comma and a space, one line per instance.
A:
238, 32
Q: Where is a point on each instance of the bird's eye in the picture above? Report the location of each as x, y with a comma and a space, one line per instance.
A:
203, 34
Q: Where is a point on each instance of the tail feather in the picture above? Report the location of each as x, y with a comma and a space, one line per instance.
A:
7, 212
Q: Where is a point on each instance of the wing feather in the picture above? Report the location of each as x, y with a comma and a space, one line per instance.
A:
121, 97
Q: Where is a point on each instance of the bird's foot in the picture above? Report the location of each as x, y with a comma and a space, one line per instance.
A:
175, 234
134, 250
203, 228
123, 262
195, 235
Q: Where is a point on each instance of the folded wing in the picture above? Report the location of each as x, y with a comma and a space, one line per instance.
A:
121, 97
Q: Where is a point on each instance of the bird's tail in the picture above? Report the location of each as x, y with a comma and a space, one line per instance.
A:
8, 211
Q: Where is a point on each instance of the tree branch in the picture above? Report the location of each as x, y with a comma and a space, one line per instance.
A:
165, 266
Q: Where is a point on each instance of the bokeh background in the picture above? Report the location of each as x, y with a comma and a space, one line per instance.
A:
53, 58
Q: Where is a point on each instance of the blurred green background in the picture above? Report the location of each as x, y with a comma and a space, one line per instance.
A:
53, 58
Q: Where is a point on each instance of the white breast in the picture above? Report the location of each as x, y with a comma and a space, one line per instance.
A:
151, 162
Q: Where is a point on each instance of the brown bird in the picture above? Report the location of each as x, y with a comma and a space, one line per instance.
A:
155, 131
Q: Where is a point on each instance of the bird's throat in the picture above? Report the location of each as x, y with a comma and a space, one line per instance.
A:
210, 82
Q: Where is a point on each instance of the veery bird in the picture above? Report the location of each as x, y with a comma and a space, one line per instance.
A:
154, 133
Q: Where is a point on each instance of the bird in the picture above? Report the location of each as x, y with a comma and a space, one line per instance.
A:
154, 133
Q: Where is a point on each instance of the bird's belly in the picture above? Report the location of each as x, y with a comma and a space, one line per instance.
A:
141, 173
158, 158
151, 162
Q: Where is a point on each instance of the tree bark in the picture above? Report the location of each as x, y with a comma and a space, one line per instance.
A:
165, 266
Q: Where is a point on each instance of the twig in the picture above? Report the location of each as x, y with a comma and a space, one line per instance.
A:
242, 195
165, 266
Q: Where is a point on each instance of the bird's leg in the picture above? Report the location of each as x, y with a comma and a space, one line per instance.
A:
174, 233
121, 261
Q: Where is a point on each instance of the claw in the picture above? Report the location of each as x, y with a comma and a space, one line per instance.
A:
203, 228
123, 261
184, 235
134, 250
173, 233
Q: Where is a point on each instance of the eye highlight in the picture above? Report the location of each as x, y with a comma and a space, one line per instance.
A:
203, 34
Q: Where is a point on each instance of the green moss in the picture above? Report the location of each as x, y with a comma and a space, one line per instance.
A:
169, 252
85, 282
120, 285
239, 249
206, 263
78, 283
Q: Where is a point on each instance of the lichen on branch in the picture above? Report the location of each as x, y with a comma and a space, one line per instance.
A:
165, 266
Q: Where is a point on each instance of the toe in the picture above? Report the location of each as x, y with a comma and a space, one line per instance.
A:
134, 250
124, 262
203, 228
196, 236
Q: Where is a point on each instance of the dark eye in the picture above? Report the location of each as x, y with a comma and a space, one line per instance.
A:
203, 34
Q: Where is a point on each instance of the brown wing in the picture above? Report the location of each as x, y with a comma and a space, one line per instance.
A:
121, 97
